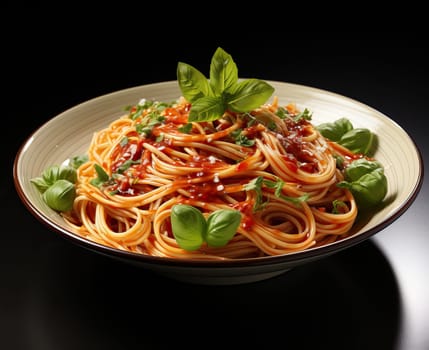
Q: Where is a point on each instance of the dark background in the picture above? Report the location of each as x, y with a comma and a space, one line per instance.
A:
54, 295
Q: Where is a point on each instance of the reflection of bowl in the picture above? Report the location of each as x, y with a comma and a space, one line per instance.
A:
70, 132
364, 292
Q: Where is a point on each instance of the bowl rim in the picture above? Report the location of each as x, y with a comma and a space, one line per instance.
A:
289, 258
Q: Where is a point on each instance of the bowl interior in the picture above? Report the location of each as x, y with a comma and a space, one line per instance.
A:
69, 134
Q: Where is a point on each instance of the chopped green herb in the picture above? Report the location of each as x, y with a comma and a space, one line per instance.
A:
186, 129
102, 176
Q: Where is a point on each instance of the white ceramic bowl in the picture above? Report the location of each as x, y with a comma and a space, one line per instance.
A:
70, 132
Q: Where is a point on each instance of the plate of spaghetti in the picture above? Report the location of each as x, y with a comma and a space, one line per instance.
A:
221, 180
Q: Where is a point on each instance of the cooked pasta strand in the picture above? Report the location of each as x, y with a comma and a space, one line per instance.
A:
212, 165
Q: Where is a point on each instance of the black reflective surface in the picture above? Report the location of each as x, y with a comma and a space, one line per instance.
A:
329, 303
54, 295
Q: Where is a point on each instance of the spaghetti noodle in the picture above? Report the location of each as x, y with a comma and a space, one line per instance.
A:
271, 164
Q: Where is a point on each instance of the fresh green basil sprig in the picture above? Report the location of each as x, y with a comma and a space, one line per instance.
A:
191, 229
57, 185
357, 140
210, 98
364, 178
256, 185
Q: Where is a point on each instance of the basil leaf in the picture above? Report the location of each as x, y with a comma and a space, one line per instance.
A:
68, 173
186, 129
223, 71
77, 161
191, 229
369, 190
40, 183
60, 195
306, 114
334, 130
126, 165
278, 192
211, 98
188, 225
339, 207
193, 84
222, 225
243, 140
124, 141
51, 174
247, 95
55, 172
256, 185
360, 167
206, 109
101, 178
359, 140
